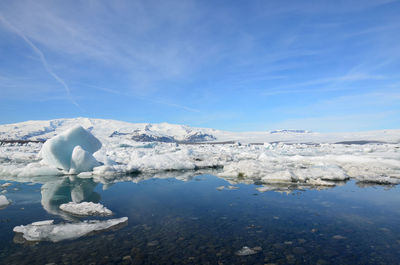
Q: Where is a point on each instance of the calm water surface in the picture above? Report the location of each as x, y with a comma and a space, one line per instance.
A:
191, 222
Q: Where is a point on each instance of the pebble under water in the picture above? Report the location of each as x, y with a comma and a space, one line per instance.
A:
206, 220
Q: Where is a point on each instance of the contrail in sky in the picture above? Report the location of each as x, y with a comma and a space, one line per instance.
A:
42, 59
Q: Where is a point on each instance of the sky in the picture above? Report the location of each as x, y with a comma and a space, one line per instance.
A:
322, 65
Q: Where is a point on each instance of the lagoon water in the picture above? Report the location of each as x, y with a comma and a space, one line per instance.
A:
198, 221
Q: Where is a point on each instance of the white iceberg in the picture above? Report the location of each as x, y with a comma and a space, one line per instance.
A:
71, 149
47, 231
3, 202
85, 209
82, 161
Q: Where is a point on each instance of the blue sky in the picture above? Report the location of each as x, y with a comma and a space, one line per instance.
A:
232, 65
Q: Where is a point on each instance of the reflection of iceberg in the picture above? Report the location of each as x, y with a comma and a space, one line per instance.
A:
64, 190
47, 231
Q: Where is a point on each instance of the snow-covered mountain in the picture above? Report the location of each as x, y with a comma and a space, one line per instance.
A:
111, 130
141, 132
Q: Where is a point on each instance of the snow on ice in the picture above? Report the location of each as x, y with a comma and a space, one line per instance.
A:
85, 209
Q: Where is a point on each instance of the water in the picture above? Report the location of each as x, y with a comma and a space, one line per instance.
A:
192, 222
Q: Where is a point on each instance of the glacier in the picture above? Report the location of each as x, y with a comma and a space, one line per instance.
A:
113, 148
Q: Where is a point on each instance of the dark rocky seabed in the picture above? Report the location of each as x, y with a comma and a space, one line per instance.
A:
191, 222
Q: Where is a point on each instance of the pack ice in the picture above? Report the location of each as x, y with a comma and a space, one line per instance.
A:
71, 150
272, 158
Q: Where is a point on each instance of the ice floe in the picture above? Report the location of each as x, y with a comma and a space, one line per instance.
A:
85, 209
3, 202
48, 231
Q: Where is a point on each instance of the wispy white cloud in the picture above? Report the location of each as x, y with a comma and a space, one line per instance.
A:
139, 97
322, 85
197, 57
41, 57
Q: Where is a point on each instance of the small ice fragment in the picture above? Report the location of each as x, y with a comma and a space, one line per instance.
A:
153, 243
5, 185
220, 187
3, 201
45, 222
338, 237
85, 209
258, 248
233, 187
246, 251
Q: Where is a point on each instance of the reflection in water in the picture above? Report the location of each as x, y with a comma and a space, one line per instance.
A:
67, 189
178, 217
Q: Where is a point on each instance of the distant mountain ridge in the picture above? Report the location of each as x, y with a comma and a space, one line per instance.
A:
141, 132
114, 131
290, 131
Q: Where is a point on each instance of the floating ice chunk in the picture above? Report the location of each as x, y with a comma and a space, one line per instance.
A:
58, 150
85, 208
246, 251
5, 185
338, 237
47, 231
45, 222
82, 161
3, 201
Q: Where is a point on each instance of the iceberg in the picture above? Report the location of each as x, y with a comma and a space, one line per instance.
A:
47, 231
82, 161
71, 149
